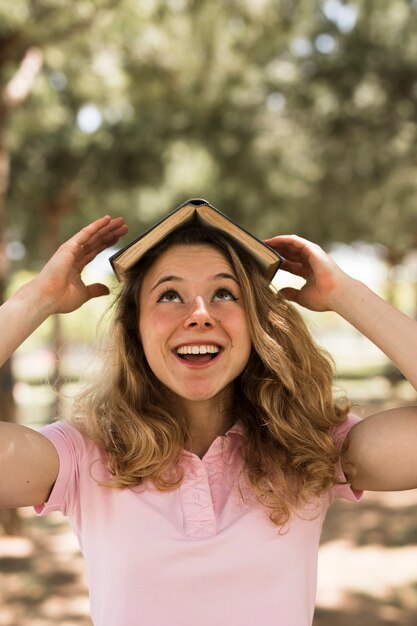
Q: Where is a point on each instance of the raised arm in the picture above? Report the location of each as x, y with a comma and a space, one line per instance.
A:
380, 454
59, 287
28, 461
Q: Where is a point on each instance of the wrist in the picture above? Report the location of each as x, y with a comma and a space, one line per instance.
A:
33, 299
20, 315
346, 292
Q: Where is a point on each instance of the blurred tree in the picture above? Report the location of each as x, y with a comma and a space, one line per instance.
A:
172, 103
292, 116
282, 113
356, 103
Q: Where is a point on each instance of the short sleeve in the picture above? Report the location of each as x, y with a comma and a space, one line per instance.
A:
344, 490
72, 448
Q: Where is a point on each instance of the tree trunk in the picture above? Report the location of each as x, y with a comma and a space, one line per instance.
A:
54, 212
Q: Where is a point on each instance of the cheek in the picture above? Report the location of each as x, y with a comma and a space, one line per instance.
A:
247, 351
248, 339
155, 329
241, 333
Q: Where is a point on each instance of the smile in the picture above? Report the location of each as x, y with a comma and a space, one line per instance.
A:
198, 355
203, 349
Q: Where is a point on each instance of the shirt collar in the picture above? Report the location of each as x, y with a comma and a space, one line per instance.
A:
237, 429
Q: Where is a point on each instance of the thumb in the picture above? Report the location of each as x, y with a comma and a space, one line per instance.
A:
290, 293
97, 290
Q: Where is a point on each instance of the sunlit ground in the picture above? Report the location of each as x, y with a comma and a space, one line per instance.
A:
368, 562
41, 575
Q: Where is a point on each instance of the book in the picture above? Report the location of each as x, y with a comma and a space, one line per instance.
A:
200, 212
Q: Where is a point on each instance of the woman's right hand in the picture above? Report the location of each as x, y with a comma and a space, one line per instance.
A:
60, 285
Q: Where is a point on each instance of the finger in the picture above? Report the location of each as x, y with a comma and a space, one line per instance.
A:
110, 237
114, 226
298, 269
102, 230
292, 240
107, 235
291, 254
97, 290
88, 232
290, 293
288, 250
293, 243
89, 256
91, 251
79, 242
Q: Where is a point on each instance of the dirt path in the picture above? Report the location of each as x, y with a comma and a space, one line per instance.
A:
41, 575
368, 562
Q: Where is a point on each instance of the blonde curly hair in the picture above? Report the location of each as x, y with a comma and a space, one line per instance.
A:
284, 396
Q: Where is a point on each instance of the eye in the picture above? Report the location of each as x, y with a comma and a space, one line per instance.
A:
169, 296
223, 293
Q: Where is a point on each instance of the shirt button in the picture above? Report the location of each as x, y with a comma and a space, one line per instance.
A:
196, 497
211, 470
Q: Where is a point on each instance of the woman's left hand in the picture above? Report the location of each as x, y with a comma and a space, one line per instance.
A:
325, 281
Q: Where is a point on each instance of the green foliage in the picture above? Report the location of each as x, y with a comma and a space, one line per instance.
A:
357, 103
292, 116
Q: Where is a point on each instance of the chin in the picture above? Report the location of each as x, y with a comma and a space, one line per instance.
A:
204, 395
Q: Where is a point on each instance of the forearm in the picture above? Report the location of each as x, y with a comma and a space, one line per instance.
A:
20, 316
389, 329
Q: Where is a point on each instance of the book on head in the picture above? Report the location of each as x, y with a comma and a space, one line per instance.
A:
200, 212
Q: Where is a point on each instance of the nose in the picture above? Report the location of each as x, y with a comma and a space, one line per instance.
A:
199, 315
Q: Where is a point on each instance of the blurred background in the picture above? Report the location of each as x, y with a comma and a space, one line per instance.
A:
290, 116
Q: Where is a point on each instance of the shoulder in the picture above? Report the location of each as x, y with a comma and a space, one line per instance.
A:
339, 433
77, 455
66, 438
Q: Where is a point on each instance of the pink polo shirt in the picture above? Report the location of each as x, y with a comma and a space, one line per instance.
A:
197, 556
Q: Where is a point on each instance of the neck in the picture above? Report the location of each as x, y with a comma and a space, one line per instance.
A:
206, 420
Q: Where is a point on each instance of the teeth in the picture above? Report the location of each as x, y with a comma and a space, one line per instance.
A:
211, 349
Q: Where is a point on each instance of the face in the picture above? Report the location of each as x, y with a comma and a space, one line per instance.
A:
193, 324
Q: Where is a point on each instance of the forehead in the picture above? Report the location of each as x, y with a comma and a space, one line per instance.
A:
189, 260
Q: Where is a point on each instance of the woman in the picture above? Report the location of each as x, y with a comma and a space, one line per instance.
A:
198, 469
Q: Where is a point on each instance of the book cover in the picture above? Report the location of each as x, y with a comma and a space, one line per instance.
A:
201, 212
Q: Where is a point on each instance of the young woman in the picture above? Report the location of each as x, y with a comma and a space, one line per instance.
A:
198, 469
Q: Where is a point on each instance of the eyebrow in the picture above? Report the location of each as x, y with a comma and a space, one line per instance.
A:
166, 279
171, 277
225, 275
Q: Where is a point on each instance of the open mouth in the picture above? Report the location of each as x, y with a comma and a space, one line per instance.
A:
198, 354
